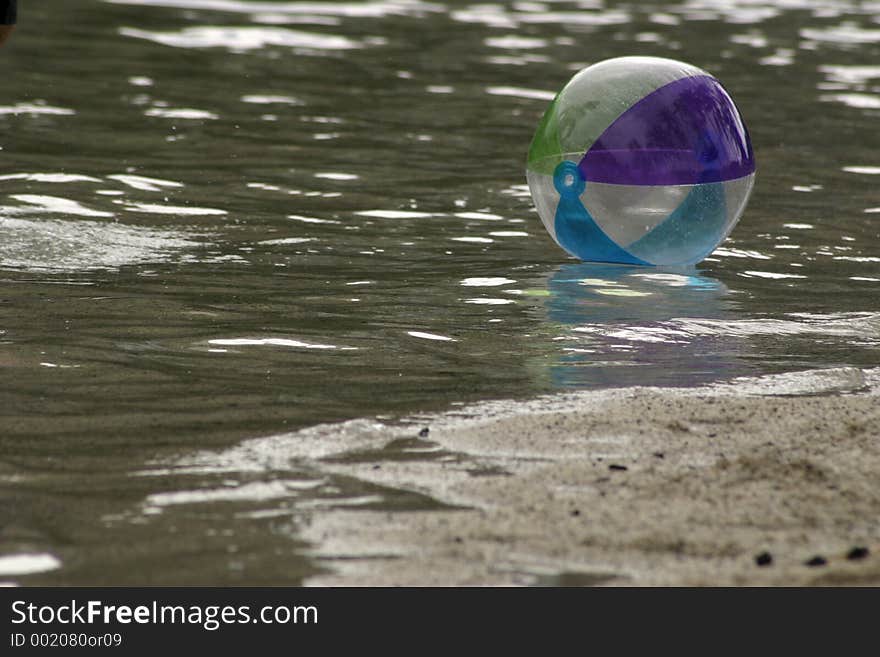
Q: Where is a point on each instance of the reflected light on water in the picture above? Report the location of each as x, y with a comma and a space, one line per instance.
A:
27, 564
617, 327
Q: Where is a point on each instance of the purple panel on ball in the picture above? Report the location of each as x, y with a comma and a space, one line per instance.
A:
684, 133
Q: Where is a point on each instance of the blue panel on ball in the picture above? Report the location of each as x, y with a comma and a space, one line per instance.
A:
576, 230
691, 232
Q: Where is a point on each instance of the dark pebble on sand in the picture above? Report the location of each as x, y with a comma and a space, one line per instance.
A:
857, 553
816, 561
659, 455
424, 433
614, 466
764, 559
576, 512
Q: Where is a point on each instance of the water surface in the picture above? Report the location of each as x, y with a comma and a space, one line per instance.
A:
222, 220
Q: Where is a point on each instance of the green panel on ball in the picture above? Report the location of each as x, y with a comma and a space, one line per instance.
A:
545, 150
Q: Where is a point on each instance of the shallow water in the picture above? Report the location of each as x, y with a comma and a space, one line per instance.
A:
224, 219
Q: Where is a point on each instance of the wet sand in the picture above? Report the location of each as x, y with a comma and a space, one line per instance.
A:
635, 487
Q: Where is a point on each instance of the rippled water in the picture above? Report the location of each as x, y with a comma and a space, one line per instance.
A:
223, 219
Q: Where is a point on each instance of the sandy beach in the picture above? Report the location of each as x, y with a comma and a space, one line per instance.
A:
769, 481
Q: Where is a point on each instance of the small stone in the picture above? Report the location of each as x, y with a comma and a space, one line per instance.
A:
659, 455
576, 512
764, 559
615, 466
857, 553
818, 560
424, 432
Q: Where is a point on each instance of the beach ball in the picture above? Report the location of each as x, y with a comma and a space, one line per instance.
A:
641, 160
